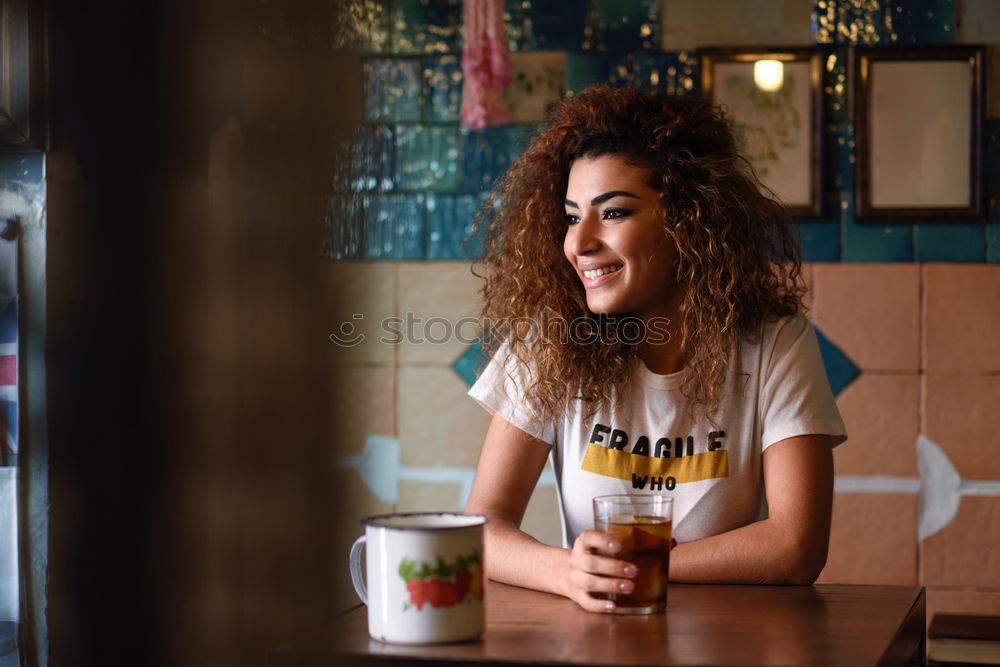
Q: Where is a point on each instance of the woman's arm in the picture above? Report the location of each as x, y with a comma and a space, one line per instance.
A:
788, 547
508, 470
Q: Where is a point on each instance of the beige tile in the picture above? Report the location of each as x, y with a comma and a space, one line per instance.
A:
541, 518
429, 497
364, 297
966, 552
439, 306
438, 423
871, 312
881, 413
944, 601
347, 528
961, 317
808, 281
362, 402
873, 540
960, 413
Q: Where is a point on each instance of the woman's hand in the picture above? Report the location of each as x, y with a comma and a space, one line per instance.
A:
590, 572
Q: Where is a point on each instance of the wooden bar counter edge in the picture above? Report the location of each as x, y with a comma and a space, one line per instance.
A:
827, 624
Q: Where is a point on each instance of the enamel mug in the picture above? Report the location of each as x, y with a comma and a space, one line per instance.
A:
424, 582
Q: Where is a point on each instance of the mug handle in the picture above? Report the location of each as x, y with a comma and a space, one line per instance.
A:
356, 578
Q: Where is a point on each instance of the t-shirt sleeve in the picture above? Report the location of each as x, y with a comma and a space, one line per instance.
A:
795, 397
500, 390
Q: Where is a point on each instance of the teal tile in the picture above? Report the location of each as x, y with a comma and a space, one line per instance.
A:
470, 364
674, 73
451, 230
426, 157
443, 83
424, 26
343, 227
841, 157
486, 154
991, 178
910, 22
394, 227
818, 241
365, 160
872, 242
949, 242
392, 90
848, 22
840, 370
545, 25
625, 25
366, 26
586, 69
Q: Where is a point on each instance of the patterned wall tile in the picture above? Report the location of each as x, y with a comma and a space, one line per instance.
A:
880, 332
392, 90
585, 69
960, 414
440, 302
881, 413
949, 242
443, 83
470, 364
394, 227
537, 82
426, 157
873, 540
625, 25
558, 25
366, 25
366, 160
840, 370
486, 154
674, 73
438, 423
429, 497
966, 552
961, 318
366, 296
450, 227
850, 22
919, 22
343, 228
541, 518
362, 401
424, 26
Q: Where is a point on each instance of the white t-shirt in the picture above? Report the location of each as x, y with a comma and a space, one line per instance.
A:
648, 444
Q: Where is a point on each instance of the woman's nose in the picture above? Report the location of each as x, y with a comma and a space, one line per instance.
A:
584, 237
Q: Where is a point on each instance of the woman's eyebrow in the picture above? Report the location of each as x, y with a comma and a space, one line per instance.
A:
600, 199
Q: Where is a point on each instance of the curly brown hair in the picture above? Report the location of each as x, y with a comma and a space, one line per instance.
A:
736, 259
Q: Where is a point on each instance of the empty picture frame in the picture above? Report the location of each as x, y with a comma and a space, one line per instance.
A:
918, 126
779, 131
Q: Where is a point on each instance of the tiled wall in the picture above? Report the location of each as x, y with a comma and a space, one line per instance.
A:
907, 313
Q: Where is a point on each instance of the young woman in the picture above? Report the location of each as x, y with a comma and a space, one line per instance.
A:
643, 298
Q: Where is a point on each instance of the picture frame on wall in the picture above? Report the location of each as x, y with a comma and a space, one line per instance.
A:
774, 100
918, 116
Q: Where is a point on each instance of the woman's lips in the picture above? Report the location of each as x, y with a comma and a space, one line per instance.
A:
603, 278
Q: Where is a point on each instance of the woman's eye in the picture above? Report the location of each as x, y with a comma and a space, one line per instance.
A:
572, 219
612, 213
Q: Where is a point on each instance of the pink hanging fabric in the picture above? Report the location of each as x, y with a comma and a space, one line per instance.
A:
485, 64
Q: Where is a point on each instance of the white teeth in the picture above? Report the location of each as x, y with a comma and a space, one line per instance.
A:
601, 271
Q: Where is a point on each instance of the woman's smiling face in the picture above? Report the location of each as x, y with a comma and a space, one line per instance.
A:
616, 241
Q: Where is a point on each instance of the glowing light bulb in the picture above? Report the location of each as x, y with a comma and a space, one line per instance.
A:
768, 75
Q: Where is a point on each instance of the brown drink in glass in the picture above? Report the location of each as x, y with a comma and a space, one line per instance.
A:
643, 526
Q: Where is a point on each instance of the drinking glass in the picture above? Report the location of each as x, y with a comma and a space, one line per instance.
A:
643, 526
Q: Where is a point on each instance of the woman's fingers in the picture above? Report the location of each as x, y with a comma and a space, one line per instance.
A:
593, 573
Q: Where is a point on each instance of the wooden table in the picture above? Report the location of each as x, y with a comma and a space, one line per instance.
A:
850, 626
